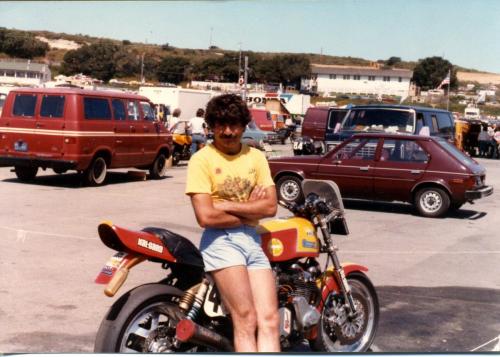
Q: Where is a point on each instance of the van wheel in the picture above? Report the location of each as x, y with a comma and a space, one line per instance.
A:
159, 167
26, 173
432, 202
95, 175
290, 189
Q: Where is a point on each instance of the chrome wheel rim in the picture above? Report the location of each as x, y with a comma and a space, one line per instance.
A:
431, 201
334, 313
289, 190
151, 330
99, 170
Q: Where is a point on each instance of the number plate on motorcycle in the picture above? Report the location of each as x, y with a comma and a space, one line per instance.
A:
297, 145
110, 268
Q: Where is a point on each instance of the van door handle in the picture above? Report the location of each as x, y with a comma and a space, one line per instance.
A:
38, 125
416, 172
364, 168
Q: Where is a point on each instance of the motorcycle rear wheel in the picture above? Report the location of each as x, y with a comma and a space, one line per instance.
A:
364, 327
142, 320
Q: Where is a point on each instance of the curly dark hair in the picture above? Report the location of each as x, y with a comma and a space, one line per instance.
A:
227, 109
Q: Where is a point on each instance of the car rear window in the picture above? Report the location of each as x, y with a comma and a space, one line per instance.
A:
387, 120
96, 108
52, 106
24, 105
457, 154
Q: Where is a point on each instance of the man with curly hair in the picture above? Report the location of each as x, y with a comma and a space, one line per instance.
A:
231, 188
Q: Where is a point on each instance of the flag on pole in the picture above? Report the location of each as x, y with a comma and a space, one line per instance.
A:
446, 80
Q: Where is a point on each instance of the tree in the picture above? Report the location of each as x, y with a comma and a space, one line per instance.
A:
392, 61
96, 60
287, 69
172, 69
430, 72
21, 44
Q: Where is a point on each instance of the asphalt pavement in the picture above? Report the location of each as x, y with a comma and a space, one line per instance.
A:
437, 279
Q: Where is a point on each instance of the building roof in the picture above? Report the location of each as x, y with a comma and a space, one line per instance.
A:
23, 66
359, 70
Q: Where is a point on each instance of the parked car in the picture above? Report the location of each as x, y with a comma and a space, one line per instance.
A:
393, 119
426, 171
83, 130
262, 119
256, 137
317, 121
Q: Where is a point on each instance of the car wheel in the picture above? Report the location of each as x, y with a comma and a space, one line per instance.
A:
432, 202
95, 175
26, 173
159, 167
290, 189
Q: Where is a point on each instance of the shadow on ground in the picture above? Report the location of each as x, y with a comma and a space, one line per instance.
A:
74, 180
441, 319
406, 208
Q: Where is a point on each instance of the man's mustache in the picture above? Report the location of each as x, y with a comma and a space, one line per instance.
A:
228, 136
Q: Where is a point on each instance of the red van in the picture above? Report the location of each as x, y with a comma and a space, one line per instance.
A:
262, 118
83, 130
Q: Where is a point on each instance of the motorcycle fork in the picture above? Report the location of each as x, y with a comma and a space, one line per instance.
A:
343, 284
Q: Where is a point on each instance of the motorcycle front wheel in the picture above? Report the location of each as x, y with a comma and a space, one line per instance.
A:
337, 332
142, 320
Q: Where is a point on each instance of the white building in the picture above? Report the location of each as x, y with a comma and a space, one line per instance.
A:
358, 80
24, 72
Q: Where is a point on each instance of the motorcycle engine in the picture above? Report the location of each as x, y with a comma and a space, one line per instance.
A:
298, 295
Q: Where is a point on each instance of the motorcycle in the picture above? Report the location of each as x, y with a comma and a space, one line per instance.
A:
335, 308
181, 138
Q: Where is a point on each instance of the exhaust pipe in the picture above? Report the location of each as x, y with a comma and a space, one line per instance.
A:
189, 331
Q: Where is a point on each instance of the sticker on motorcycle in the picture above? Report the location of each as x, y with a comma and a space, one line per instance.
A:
141, 242
110, 268
275, 247
213, 305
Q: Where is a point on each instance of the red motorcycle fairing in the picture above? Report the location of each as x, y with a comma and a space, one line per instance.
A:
330, 283
124, 240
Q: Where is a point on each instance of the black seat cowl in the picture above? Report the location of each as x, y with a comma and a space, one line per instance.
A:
180, 247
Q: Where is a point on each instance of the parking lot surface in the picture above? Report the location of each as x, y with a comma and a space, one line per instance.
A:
437, 279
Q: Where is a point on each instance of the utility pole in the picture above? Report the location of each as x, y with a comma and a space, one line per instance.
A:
239, 62
142, 68
245, 80
211, 30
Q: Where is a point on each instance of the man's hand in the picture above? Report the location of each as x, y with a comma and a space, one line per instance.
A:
257, 193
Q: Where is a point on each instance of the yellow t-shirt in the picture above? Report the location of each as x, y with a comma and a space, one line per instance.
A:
227, 177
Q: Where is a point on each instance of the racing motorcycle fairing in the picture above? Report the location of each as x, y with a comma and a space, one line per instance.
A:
287, 239
125, 240
329, 282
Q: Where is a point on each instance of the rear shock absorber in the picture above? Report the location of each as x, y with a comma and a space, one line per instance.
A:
196, 300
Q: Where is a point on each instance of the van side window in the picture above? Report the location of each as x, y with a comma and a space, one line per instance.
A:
96, 108
434, 127
148, 111
445, 123
24, 105
132, 111
118, 109
52, 106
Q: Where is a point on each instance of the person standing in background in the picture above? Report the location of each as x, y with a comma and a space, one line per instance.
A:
174, 119
199, 131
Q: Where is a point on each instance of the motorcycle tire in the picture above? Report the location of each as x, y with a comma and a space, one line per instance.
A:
366, 301
138, 318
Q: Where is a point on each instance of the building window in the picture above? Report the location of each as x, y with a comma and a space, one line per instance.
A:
356, 77
387, 79
347, 77
21, 74
371, 78
10, 73
32, 75
333, 76
400, 79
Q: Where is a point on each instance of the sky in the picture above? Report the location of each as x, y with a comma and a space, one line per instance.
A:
466, 33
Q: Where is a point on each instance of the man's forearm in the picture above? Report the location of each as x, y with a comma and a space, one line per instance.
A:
249, 210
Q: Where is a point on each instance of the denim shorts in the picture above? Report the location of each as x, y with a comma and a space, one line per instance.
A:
223, 248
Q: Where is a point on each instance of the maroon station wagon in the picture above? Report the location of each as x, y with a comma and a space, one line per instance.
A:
428, 172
